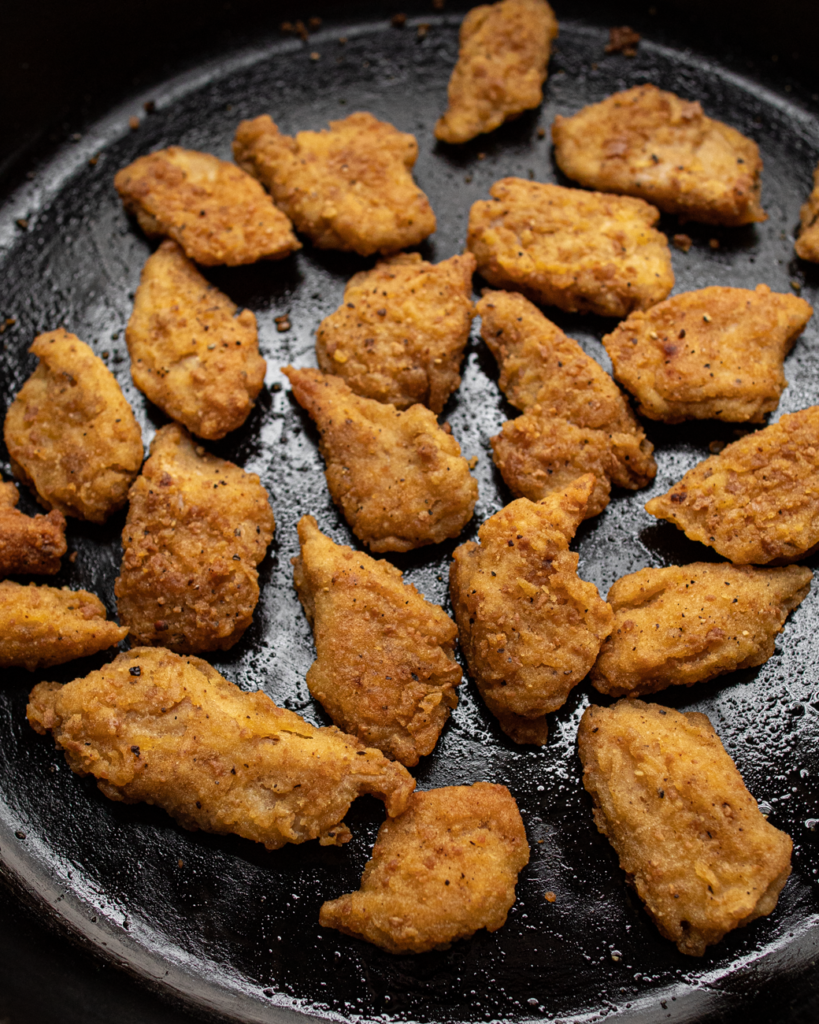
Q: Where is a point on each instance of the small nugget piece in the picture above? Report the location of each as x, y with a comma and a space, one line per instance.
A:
400, 333
807, 244
348, 188
584, 252
197, 527
156, 727
653, 144
443, 869
70, 432
398, 477
384, 668
689, 835
28, 544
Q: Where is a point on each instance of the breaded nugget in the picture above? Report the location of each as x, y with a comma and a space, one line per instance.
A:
758, 500
156, 727
42, 626
348, 188
715, 353
653, 144
400, 333
70, 432
807, 244
443, 869
686, 624
501, 67
689, 835
584, 252
530, 629
197, 527
28, 544
398, 477
214, 210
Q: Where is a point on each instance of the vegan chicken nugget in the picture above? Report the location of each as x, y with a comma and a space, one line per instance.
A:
807, 244
28, 544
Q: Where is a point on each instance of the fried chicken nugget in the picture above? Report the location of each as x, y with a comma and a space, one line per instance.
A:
652, 144
400, 333
688, 834
530, 629
584, 252
504, 51
807, 244
398, 477
70, 432
440, 871
28, 544
197, 527
348, 188
156, 727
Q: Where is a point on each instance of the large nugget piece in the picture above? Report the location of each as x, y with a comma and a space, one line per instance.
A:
807, 244
689, 835
70, 432
197, 527
348, 188
156, 727
585, 252
400, 333
398, 477
28, 544
443, 869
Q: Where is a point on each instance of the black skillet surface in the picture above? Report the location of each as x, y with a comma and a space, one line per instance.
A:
220, 923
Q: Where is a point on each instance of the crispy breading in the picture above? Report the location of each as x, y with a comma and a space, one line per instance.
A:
443, 869
689, 835
384, 668
653, 144
168, 730
585, 252
530, 629
348, 188
807, 244
70, 432
758, 500
28, 544
502, 60
400, 333
192, 352
197, 527
213, 209
398, 477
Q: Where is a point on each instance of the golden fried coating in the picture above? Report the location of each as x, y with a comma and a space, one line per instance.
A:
348, 188
398, 477
715, 353
689, 835
214, 210
400, 333
758, 500
501, 67
384, 668
70, 432
197, 527
28, 544
807, 244
443, 869
585, 252
530, 629
156, 727
653, 144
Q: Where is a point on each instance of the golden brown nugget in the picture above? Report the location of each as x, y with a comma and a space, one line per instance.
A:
715, 353
652, 144
384, 668
197, 527
70, 432
504, 52
807, 244
348, 188
758, 500
158, 728
400, 333
398, 477
192, 352
443, 869
28, 544
689, 835
213, 209
585, 252
686, 624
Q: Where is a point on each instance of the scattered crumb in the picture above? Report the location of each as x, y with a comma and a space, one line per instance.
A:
314, 24
180, 863
76, 136
422, 30
282, 323
682, 242
398, 20
342, 40
796, 285
315, 56
549, 896
446, 426
481, 156
22, 223
715, 447
149, 106
468, 178
133, 122
473, 462
706, 317
92, 160
72, 557
714, 243
541, 133
438, 4
623, 39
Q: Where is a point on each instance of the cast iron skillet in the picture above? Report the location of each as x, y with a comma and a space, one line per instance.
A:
219, 924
